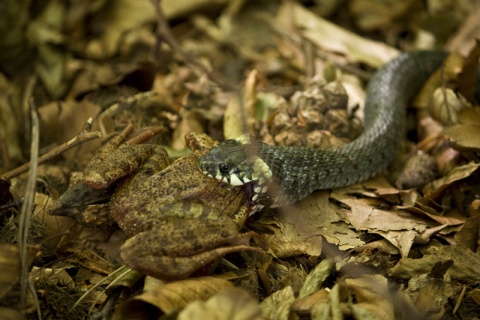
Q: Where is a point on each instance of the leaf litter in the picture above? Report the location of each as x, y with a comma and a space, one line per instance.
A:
371, 250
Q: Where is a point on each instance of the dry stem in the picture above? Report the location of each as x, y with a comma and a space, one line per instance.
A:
83, 136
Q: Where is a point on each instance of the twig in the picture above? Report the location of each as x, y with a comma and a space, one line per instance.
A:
164, 33
84, 136
27, 207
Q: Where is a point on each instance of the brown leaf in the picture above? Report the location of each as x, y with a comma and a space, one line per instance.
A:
316, 217
328, 36
172, 296
466, 264
446, 105
398, 227
277, 305
464, 136
468, 236
373, 294
304, 305
231, 303
10, 264
435, 189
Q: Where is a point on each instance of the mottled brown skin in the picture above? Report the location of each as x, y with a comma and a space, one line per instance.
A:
179, 221
178, 191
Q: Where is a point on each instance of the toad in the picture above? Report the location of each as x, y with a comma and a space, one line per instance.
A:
179, 221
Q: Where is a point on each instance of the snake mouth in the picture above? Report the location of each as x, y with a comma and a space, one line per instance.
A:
237, 163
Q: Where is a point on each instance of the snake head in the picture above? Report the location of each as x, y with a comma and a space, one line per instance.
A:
237, 162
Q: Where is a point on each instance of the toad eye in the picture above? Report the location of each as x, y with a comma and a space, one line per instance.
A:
224, 168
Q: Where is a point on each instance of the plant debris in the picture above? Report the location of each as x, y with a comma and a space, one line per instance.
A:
402, 245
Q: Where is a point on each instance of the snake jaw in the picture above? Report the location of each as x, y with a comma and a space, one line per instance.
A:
237, 163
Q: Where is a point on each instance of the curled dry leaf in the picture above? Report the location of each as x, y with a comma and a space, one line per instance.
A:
167, 298
239, 117
464, 136
465, 267
328, 36
446, 105
469, 235
435, 189
228, 304
372, 293
10, 264
452, 66
315, 279
277, 305
284, 245
305, 305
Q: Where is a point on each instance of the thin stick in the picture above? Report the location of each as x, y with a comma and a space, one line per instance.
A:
27, 207
84, 136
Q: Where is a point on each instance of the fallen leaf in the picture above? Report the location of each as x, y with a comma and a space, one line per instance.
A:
10, 264
435, 189
277, 305
464, 136
316, 217
373, 296
468, 236
305, 305
466, 264
330, 37
316, 277
172, 296
239, 117
228, 304
398, 227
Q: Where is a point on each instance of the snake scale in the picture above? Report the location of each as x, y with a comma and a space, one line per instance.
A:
277, 176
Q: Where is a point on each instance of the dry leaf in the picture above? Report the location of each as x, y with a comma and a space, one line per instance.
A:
239, 115
284, 245
277, 305
446, 105
464, 136
330, 37
466, 264
373, 296
435, 189
305, 305
10, 264
315, 217
470, 116
452, 66
228, 304
468, 236
315, 279
172, 296
398, 227
378, 15
117, 18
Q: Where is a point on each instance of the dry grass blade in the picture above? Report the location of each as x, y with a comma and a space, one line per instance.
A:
27, 207
117, 276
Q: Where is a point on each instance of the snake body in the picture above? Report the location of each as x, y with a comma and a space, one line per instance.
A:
281, 175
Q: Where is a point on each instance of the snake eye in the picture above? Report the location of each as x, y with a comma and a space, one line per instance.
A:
224, 168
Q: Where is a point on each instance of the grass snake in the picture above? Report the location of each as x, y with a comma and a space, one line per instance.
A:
292, 173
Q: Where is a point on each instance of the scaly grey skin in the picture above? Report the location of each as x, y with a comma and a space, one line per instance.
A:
292, 173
